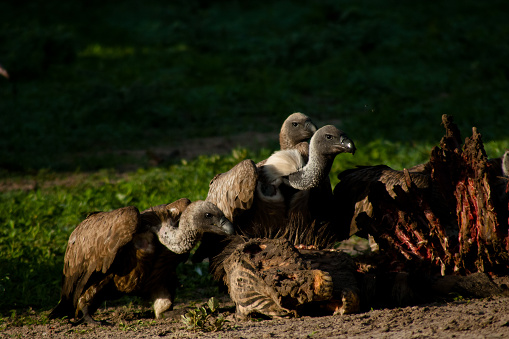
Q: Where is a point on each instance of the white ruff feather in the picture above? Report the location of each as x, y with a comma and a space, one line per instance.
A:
282, 163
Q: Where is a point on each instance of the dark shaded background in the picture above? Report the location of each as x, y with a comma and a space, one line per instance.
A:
94, 76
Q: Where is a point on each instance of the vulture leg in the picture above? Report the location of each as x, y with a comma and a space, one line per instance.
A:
90, 301
162, 282
163, 300
87, 319
162, 305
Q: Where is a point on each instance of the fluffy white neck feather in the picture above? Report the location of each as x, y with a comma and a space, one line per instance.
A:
282, 163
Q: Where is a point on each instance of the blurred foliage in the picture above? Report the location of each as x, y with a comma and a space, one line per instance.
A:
92, 79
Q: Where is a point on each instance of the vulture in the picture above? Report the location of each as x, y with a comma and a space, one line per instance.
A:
274, 278
274, 199
295, 132
128, 252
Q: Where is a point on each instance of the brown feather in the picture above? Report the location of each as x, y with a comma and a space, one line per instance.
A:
85, 254
233, 191
116, 252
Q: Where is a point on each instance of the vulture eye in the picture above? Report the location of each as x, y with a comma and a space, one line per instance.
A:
295, 124
208, 215
329, 136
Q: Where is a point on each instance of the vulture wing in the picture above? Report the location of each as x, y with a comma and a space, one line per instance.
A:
153, 216
93, 246
233, 191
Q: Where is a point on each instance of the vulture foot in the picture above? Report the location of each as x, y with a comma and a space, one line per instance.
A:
88, 320
162, 305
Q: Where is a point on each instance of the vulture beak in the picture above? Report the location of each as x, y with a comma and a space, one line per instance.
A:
226, 226
346, 144
310, 127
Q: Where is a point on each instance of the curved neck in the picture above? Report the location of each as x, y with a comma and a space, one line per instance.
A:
178, 239
283, 141
313, 173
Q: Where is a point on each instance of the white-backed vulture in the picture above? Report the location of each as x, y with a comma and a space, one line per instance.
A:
128, 252
295, 132
296, 129
273, 200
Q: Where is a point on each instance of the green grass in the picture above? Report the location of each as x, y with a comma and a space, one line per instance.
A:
37, 223
91, 80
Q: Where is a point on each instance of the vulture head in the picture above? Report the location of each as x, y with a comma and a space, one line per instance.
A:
180, 236
329, 141
325, 144
289, 166
296, 128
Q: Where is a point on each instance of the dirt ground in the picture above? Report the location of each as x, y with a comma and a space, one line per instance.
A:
456, 318
475, 318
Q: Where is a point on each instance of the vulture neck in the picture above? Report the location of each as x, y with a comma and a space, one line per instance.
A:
284, 143
311, 175
179, 239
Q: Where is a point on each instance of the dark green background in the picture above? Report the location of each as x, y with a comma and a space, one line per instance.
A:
95, 76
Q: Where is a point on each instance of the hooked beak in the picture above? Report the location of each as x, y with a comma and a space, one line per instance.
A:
310, 127
226, 225
347, 145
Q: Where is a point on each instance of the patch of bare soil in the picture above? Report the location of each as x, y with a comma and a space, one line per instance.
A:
221, 145
477, 318
155, 156
460, 318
